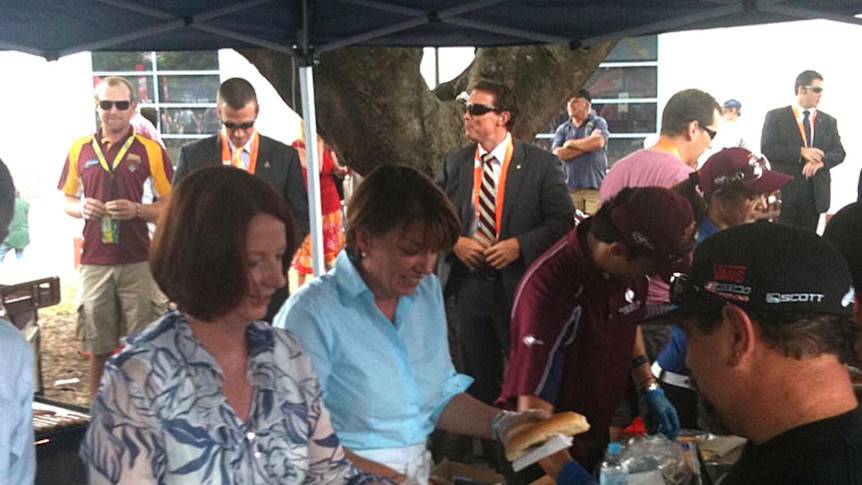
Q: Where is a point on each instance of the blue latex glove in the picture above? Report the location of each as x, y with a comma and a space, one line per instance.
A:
572, 473
659, 414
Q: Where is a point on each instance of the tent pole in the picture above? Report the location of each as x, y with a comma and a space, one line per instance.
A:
306, 80
307, 60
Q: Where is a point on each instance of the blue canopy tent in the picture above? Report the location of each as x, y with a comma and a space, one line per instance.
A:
306, 28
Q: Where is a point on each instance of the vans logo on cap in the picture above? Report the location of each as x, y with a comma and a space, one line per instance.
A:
729, 272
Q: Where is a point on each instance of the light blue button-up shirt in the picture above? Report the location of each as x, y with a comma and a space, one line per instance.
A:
384, 384
17, 451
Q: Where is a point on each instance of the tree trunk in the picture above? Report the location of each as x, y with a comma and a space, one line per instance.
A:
375, 108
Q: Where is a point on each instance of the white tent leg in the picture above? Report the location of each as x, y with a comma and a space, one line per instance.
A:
306, 80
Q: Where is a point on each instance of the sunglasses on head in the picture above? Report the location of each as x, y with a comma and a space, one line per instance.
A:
814, 89
121, 105
683, 289
230, 125
476, 109
752, 171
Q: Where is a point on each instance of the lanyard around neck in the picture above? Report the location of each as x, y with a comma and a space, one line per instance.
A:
667, 145
117, 159
501, 183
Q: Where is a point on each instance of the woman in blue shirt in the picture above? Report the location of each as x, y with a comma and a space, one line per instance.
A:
375, 329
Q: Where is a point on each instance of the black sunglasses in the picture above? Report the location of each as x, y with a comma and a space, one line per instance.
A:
708, 131
230, 125
479, 109
815, 89
121, 105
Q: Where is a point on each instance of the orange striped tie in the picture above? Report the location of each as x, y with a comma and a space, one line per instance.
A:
236, 158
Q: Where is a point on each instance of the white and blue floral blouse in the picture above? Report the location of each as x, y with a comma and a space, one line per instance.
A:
160, 415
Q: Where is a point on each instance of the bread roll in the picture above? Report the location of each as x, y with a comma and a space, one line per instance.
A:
533, 433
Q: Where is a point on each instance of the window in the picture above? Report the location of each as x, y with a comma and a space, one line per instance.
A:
181, 86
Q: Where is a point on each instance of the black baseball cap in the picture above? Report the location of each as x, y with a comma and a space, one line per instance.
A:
583, 93
762, 267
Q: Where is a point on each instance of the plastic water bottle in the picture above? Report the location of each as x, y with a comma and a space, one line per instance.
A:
612, 471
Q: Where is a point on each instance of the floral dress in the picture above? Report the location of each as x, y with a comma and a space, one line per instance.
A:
160, 415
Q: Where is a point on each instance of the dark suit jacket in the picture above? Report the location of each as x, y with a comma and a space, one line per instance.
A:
277, 163
781, 142
537, 208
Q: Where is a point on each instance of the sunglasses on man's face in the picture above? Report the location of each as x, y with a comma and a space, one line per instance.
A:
476, 109
245, 125
814, 89
121, 105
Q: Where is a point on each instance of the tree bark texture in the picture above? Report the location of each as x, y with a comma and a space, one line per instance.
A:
375, 108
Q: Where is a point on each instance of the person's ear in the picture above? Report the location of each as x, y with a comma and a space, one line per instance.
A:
618, 249
693, 127
504, 117
741, 333
363, 240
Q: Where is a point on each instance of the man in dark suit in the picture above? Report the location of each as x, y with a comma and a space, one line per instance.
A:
523, 188
802, 141
240, 145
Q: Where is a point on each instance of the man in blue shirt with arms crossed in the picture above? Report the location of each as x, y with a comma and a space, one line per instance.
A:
581, 143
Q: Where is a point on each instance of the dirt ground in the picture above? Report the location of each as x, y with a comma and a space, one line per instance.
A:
65, 375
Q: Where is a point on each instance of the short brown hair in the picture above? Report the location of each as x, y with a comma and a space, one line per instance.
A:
504, 98
115, 81
396, 196
236, 92
198, 254
686, 106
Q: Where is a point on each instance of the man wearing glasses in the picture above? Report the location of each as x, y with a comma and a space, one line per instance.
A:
689, 122
105, 179
240, 145
768, 313
802, 141
513, 204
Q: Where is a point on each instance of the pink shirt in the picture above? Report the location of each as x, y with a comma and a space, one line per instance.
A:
644, 168
143, 126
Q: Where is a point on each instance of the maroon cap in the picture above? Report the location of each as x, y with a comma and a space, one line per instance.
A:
741, 167
657, 220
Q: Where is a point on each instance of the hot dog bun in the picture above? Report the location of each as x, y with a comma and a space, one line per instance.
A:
522, 437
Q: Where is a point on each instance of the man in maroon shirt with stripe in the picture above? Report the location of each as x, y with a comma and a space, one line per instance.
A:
573, 336
105, 179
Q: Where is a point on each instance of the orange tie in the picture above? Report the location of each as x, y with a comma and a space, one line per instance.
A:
236, 158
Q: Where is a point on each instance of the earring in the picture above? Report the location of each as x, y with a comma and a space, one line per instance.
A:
362, 254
